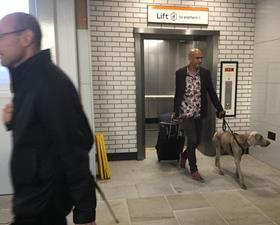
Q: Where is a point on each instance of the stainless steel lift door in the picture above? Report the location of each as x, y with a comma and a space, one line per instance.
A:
159, 53
161, 60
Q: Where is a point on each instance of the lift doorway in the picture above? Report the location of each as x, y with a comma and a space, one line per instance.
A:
159, 53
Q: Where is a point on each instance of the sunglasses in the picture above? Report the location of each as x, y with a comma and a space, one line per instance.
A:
2, 35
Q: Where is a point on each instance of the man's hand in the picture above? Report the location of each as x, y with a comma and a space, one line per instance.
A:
173, 116
7, 113
92, 223
221, 114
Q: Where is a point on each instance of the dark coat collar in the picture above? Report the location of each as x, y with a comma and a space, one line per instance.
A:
21, 72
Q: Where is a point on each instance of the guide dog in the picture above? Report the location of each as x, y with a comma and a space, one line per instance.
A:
224, 141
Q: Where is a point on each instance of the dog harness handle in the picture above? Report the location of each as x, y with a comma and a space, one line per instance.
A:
224, 127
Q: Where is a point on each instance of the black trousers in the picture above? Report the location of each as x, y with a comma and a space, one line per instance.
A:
50, 217
192, 128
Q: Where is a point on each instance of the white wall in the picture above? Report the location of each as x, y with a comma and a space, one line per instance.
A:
265, 111
57, 20
5, 146
66, 39
86, 82
5, 97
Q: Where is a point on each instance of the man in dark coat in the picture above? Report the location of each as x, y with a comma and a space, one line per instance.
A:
51, 135
193, 82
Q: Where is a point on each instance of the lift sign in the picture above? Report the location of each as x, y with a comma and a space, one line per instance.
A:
179, 15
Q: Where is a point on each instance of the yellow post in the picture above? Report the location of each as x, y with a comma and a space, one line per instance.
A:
103, 165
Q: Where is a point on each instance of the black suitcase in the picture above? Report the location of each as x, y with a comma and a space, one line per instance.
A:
170, 141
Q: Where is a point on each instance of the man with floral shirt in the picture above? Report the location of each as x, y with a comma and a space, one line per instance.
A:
193, 82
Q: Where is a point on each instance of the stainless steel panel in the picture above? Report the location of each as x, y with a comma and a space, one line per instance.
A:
160, 64
209, 49
174, 33
162, 59
140, 101
207, 41
228, 94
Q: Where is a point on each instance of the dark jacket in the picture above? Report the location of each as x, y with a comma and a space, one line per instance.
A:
51, 141
206, 87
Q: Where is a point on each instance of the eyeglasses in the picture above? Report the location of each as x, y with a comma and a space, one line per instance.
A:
12, 32
198, 57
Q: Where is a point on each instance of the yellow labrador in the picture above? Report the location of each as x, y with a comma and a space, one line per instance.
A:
224, 141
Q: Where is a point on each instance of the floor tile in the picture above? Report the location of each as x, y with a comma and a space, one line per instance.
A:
215, 182
120, 210
148, 209
119, 191
266, 200
5, 216
185, 185
103, 216
236, 209
187, 201
155, 188
5, 201
201, 216
149, 192
158, 222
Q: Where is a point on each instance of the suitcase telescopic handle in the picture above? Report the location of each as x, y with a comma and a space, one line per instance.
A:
168, 131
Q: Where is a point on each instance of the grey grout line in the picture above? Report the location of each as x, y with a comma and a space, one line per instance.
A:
216, 209
257, 208
173, 211
172, 187
129, 217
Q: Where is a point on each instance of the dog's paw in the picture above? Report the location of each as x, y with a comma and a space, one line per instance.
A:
243, 186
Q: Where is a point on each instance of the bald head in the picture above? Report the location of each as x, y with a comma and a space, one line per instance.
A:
195, 58
20, 38
20, 20
194, 51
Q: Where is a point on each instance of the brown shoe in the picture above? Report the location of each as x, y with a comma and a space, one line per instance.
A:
182, 161
196, 176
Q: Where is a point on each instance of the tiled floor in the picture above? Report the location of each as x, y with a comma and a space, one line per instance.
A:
151, 134
152, 193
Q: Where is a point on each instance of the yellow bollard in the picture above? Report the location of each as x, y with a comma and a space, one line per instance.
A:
103, 165
101, 171
105, 160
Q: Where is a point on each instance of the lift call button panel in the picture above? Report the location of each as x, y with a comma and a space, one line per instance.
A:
228, 86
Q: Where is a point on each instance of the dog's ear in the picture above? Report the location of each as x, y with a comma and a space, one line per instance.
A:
251, 139
258, 137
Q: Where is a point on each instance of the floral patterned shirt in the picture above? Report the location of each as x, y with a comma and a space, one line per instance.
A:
191, 104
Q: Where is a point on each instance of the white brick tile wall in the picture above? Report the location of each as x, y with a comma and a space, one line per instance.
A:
112, 49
